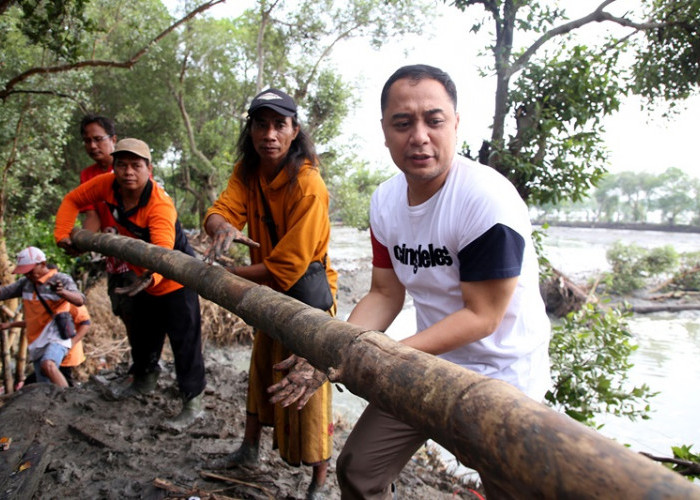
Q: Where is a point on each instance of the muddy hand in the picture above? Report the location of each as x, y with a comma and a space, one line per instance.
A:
143, 282
57, 286
298, 385
222, 239
67, 245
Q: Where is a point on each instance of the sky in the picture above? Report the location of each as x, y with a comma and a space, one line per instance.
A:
636, 140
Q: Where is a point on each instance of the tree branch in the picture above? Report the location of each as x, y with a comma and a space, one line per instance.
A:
312, 74
598, 15
489, 5
41, 92
265, 19
5, 4
111, 64
689, 468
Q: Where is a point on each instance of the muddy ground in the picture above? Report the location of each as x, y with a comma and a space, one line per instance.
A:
74, 443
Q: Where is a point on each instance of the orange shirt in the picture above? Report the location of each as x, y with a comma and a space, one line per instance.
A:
35, 314
300, 212
76, 355
158, 215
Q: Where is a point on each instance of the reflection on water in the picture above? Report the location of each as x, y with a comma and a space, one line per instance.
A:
666, 360
669, 344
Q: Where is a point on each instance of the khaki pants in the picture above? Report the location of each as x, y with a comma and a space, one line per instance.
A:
374, 454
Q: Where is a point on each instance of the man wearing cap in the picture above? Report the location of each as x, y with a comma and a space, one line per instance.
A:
58, 291
278, 167
162, 307
99, 137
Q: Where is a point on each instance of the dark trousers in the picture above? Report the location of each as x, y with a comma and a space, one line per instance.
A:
374, 454
122, 305
177, 315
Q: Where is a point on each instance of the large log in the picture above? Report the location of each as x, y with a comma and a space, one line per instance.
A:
521, 448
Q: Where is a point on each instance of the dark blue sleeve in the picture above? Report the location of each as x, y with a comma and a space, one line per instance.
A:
12, 290
496, 254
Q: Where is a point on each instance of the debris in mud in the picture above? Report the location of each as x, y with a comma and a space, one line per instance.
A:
75, 443
105, 449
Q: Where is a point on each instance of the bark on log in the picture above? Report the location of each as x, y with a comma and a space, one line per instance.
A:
521, 448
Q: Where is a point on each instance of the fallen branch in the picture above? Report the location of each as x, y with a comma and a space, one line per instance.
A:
211, 475
221, 259
668, 282
665, 308
188, 492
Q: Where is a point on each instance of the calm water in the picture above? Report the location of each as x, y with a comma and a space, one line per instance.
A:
669, 344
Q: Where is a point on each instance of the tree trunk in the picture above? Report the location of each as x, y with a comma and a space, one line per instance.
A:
521, 448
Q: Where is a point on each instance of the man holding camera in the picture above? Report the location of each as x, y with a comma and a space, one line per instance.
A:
45, 293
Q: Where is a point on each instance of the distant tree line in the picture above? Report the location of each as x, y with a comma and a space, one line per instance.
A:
672, 198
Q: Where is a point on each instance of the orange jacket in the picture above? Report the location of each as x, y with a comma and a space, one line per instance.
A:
300, 212
158, 215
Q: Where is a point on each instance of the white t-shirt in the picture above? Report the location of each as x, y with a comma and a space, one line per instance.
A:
476, 227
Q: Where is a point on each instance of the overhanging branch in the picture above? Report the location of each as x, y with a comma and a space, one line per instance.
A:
100, 63
598, 15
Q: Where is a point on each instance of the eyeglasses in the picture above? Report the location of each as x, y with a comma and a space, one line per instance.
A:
89, 140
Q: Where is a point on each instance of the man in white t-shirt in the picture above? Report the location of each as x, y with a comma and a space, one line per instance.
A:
456, 236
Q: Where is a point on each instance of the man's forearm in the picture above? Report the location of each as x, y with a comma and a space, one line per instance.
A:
459, 328
75, 298
375, 311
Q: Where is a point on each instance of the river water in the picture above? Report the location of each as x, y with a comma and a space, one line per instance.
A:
668, 357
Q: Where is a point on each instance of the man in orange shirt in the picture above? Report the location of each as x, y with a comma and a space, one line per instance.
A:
74, 357
99, 137
162, 307
42, 288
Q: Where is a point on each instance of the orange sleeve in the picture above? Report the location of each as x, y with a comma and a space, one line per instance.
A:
80, 314
307, 231
161, 218
93, 191
232, 203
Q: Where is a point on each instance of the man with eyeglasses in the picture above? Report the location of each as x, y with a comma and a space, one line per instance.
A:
99, 137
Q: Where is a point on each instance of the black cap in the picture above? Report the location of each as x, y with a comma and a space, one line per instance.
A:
274, 99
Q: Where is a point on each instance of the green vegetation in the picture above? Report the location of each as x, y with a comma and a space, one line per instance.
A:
672, 197
590, 352
552, 92
632, 266
685, 462
687, 277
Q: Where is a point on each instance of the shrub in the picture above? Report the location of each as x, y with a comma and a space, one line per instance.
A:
633, 265
589, 352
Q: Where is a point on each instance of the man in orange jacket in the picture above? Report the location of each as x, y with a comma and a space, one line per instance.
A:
143, 210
